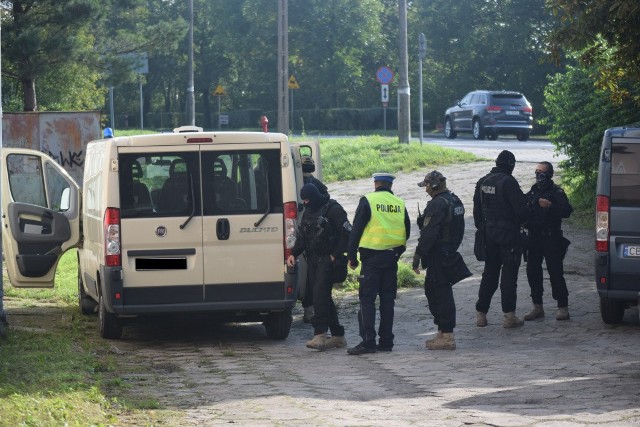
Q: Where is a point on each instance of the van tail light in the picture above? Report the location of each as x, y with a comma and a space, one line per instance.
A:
602, 224
112, 257
493, 109
290, 225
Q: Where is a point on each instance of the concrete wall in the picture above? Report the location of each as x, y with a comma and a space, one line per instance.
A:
62, 135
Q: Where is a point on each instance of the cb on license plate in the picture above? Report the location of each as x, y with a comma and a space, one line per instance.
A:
631, 251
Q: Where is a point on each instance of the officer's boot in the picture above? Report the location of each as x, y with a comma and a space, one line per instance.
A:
511, 320
436, 338
444, 341
536, 312
481, 319
336, 342
318, 342
563, 313
308, 314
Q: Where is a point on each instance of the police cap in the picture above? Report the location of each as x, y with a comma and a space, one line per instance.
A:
382, 176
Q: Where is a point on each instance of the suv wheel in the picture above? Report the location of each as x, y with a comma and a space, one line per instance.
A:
278, 324
110, 327
478, 130
448, 129
612, 311
524, 136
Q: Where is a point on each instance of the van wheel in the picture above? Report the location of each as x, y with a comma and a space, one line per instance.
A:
86, 303
278, 324
612, 311
110, 327
449, 133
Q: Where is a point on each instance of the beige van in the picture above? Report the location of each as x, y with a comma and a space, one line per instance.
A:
180, 222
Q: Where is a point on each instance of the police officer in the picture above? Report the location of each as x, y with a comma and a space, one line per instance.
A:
308, 167
322, 236
381, 227
499, 208
548, 205
441, 231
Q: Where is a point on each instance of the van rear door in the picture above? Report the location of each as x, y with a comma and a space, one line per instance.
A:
40, 215
243, 220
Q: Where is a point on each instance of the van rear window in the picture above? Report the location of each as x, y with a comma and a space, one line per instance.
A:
625, 174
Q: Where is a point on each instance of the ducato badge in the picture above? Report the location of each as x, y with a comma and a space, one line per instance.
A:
161, 231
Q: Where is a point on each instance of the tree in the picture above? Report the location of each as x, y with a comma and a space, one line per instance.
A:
39, 37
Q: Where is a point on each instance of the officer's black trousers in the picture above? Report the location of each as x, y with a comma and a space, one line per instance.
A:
441, 304
378, 276
502, 265
552, 251
325, 315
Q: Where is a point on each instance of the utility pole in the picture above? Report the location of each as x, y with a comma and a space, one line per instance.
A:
191, 100
3, 329
422, 51
283, 67
404, 93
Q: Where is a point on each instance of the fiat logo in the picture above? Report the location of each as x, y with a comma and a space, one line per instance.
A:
161, 231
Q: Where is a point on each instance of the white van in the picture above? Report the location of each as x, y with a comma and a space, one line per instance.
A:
180, 222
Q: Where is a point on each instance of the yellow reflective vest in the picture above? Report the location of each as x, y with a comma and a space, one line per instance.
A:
385, 229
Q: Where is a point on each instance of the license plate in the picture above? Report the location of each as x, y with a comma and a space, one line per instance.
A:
631, 251
512, 113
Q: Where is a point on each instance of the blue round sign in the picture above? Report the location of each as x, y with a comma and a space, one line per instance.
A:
384, 75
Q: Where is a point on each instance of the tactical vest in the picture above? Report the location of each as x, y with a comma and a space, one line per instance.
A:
385, 229
317, 231
494, 205
452, 231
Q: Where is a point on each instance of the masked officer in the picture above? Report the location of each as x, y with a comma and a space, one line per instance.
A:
499, 208
548, 205
322, 236
381, 227
441, 231
308, 167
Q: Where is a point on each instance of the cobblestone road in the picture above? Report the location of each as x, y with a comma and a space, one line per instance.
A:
547, 373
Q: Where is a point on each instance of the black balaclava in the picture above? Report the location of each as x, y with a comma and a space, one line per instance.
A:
506, 161
543, 178
310, 192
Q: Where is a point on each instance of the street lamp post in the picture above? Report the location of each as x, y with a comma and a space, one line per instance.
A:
422, 50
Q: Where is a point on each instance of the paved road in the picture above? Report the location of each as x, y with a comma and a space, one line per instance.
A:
548, 373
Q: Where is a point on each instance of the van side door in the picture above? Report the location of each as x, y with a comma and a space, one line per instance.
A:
40, 216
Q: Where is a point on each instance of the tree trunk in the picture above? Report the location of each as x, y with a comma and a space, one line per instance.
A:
29, 94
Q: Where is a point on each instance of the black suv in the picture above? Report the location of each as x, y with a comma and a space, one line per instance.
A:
490, 113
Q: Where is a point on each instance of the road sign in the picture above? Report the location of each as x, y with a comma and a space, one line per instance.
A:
219, 91
384, 75
293, 83
384, 93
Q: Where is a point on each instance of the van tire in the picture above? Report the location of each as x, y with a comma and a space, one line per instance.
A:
278, 324
87, 304
612, 311
110, 327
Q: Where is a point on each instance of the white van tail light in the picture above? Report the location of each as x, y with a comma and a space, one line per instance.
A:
112, 256
290, 224
602, 224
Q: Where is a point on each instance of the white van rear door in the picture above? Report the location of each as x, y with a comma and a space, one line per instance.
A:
312, 149
40, 216
242, 217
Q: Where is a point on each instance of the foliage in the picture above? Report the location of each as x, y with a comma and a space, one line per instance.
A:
581, 113
601, 27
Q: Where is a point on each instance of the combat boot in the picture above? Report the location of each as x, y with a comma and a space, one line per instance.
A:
511, 320
318, 342
536, 312
436, 338
563, 313
308, 314
443, 341
336, 342
481, 319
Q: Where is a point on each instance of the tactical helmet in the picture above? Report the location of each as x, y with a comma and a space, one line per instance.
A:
434, 179
308, 165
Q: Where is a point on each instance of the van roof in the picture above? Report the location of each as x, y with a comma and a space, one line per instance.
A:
198, 138
631, 131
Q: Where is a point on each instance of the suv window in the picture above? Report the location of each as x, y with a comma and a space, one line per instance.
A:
625, 174
508, 99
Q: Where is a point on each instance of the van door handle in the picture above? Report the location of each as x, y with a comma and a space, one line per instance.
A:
223, 230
